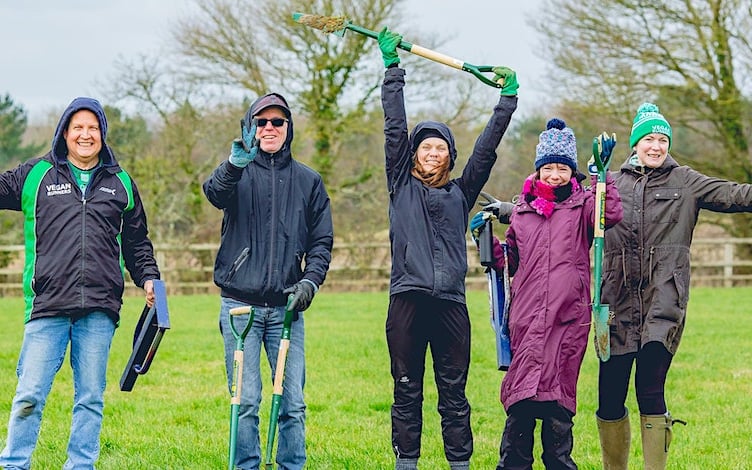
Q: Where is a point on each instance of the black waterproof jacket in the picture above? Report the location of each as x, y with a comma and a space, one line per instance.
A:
427, 225
277, 218
77, 245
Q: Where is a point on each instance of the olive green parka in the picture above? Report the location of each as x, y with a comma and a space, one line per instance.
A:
646, 266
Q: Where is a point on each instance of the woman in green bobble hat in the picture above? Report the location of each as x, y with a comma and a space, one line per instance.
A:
646, 283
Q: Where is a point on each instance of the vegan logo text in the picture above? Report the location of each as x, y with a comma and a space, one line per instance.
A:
57, 189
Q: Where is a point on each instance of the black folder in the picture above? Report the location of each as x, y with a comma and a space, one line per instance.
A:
149, 331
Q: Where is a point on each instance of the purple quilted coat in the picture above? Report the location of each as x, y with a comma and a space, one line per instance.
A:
549, 319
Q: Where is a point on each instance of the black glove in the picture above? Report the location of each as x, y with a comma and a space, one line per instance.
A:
501, 209
302, 295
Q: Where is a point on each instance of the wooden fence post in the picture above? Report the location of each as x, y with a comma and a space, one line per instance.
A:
728, 264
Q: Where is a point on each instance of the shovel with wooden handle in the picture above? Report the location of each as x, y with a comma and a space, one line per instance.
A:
237, 377
279, 379
339, 24
600, 311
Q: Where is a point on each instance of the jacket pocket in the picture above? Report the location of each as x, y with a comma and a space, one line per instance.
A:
575, 302
665, 207
405, 256
670, 281
235, 267
681, 282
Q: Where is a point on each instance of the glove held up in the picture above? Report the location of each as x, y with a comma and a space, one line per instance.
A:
243, 151
388, 42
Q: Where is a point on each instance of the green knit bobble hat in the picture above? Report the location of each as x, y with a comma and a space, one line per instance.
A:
649, 120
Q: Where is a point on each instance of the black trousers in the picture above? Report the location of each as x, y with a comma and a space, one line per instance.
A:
516, 449
653, 361
414, 322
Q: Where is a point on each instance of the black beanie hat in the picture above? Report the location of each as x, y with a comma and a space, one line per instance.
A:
424, 134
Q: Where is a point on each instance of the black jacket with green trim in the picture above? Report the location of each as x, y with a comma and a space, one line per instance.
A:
78, 245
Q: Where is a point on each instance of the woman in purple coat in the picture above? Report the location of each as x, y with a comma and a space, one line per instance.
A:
549, 241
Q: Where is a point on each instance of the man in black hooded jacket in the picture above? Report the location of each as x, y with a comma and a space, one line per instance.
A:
276, 240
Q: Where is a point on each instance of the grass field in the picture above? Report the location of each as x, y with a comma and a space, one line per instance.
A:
177, 416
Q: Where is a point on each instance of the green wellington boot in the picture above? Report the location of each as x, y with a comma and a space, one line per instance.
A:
656, 438
616, 437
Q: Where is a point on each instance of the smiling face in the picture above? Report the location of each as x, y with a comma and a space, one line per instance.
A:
271, 138
84, 139
555, 174
652, 150
432, 154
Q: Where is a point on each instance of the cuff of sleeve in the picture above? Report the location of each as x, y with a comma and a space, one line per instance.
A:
315, 287
240, 163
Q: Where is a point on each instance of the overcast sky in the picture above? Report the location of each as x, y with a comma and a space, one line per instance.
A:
52, 51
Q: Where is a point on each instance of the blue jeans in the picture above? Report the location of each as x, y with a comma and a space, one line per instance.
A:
42, 352
267, 330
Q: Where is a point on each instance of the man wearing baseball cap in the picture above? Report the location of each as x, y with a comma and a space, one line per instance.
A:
276, 241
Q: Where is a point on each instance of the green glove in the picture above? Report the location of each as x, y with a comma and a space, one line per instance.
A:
244, 150
509, 77
388, 43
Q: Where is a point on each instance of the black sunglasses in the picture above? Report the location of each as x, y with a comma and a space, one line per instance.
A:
276, 122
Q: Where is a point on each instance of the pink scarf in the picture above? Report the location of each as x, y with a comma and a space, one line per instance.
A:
543, 195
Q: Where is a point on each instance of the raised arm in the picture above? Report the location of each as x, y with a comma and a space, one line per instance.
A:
481, 161
396, 144
221, 185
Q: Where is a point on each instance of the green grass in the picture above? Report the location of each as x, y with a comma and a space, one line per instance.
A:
177, 416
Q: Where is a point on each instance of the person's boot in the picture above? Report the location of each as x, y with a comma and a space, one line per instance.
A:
459, 465
656, 438
615, 436
406, 464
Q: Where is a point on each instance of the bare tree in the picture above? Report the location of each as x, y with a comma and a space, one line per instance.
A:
334, 80
184, 143
227, 52
693, 57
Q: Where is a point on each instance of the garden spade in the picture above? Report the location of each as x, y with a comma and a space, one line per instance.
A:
339, 24
279, 378
237, 376
602, 147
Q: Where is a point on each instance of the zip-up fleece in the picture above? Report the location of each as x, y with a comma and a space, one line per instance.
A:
78, 245
276, 218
